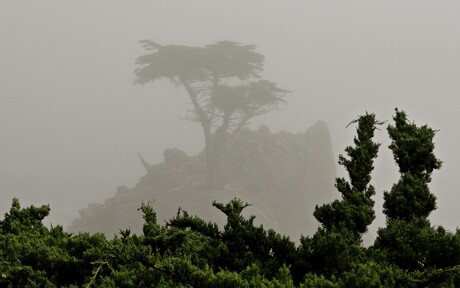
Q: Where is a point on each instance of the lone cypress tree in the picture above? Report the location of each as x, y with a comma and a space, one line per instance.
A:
223, 84
338, 242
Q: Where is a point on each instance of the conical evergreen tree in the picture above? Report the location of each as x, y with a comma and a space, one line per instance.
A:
409, 240
355, 211
412, 148
338, 241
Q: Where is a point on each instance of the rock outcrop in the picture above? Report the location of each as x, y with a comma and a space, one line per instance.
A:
283, 176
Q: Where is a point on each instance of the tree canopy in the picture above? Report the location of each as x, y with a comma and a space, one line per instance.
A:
188, 251
223, 59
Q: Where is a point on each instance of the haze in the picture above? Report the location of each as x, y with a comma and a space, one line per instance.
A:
72, 121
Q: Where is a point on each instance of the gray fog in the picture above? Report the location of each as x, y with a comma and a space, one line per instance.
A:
72, 121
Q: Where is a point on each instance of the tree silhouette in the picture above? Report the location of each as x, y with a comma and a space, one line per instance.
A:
223, 83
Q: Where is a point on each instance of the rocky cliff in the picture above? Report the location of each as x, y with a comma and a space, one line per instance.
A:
283, 176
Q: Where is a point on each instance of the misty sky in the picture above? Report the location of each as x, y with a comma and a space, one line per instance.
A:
72, 121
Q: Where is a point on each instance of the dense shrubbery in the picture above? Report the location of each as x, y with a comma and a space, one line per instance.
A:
189, 252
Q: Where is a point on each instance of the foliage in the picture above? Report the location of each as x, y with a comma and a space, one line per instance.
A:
409, 241
337, 244
412, 148
355, 212
187, 251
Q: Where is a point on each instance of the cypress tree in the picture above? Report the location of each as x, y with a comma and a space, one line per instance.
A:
355, 211
409, 240
412, 149
337, 243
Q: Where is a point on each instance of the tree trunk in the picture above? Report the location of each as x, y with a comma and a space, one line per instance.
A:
208, 137
218, 141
